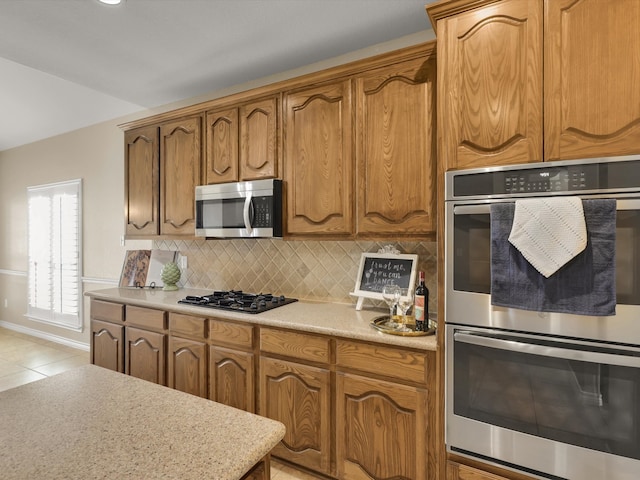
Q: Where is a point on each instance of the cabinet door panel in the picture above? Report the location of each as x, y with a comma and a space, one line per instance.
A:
187, 366
107, 345
396, 149
381, 429
299, 397
259, 139
490, 85
222, 146
231, 378
180, 156
141, 182
145, 355
318, 160
592, 99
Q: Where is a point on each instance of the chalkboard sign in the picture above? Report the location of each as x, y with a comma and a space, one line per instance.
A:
379, 269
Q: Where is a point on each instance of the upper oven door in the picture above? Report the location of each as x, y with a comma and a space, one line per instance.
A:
468, 277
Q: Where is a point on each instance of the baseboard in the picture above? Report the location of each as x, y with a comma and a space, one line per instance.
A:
45, 336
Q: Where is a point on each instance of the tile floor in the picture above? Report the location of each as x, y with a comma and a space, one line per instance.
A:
25, 359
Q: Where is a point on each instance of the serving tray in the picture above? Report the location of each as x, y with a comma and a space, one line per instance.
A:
380, 324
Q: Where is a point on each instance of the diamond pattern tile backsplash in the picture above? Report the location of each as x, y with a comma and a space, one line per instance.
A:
308, 270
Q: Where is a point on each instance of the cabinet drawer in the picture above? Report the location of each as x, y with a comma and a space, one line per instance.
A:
294, 344
146, 317
382, 360
188, 325
107, 311
230, 334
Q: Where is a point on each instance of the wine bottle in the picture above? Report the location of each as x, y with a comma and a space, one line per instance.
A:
421, 305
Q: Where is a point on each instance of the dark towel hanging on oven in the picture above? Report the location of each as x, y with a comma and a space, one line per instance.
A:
584, 286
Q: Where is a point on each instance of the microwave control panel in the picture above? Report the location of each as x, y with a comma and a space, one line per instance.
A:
262, 212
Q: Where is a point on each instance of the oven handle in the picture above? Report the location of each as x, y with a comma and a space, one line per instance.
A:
485, 208
485, 340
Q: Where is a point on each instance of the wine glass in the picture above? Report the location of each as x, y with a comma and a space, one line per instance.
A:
405, 302
391, 295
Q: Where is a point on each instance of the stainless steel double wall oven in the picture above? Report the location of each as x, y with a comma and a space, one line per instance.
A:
553, 395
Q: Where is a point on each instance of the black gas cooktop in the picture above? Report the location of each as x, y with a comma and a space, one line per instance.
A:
239, 301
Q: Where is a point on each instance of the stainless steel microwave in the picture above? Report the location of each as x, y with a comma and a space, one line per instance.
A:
239, 209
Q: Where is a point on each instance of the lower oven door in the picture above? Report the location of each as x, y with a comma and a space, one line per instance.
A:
550, 407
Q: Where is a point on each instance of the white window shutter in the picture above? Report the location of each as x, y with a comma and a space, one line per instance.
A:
55, 290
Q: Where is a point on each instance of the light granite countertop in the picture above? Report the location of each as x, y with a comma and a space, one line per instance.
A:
335, 319
91, 422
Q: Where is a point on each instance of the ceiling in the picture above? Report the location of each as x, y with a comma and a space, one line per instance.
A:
66, 64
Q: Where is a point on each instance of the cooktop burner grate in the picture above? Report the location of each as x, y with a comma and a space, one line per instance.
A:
237, 300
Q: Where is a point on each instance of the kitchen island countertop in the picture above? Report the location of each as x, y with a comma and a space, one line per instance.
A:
90, 422
335, 319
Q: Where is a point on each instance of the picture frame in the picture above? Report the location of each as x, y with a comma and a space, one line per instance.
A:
379, 269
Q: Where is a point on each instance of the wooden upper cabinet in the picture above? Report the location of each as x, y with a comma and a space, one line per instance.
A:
222, 146
592, 78
259, 139
319, 161
490, 85
141, 181
242, 142
180, 157
395, 149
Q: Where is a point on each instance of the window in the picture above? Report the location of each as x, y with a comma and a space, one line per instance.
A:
55, 290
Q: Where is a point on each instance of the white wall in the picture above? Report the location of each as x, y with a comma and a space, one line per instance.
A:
95, 154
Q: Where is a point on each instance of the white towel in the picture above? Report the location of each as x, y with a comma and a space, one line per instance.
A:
549, 231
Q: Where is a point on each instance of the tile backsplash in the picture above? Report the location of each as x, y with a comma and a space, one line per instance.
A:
308, 270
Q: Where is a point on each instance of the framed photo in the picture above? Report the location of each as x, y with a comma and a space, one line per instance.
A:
379, 269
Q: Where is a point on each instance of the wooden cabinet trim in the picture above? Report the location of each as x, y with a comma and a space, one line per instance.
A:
314, 78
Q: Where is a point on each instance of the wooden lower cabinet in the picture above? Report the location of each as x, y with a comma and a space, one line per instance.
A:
353, 410
187, 366
145, 355
299, 396
107, 345
231, 378
381, 429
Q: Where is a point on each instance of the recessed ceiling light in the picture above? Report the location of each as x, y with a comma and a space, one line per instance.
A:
110, 2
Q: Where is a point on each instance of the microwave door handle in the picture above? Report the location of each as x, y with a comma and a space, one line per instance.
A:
247, 213
547, 351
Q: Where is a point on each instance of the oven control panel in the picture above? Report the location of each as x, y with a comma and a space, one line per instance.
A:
550, 177
548, 180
